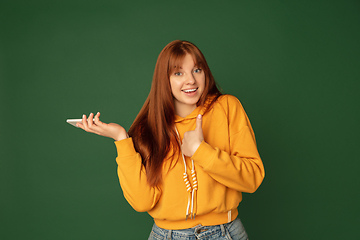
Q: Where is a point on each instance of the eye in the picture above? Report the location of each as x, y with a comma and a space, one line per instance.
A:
177, 73
198, 70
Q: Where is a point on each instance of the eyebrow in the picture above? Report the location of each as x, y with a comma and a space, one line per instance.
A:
195, 67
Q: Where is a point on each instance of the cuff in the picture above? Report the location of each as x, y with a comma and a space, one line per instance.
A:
204, 155
125, 148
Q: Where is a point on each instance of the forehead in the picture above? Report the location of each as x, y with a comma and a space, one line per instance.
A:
188, 62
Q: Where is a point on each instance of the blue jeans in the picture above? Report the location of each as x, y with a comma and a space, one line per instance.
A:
229, 231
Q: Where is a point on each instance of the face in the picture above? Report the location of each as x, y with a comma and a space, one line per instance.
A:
187, 85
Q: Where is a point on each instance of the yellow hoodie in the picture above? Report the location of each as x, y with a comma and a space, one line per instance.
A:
226, 163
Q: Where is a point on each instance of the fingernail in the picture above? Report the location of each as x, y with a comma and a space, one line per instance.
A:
83, 115
199, 116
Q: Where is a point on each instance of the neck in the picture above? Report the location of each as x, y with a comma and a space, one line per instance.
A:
184, 109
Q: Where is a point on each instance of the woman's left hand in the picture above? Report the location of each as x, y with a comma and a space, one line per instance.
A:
193, 139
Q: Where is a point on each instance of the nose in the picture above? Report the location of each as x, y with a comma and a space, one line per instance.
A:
190, 79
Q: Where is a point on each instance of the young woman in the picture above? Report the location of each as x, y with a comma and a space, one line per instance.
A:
190, 152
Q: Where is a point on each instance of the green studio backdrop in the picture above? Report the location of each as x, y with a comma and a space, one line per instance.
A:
293, 64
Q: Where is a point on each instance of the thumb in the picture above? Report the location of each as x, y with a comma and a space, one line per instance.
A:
199, 124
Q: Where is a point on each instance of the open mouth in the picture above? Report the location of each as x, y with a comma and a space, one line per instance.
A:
190, 90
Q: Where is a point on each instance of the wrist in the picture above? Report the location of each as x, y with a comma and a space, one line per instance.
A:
195, 148
121, 137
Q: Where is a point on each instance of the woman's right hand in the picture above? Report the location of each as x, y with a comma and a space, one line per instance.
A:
111, 130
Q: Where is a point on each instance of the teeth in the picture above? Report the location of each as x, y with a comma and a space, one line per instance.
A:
190, 90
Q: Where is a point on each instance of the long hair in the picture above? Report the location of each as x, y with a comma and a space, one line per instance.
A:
153, 130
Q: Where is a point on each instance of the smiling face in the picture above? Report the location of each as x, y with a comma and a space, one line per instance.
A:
187, 85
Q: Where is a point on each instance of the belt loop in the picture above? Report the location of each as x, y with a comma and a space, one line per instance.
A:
222, 229
169, 234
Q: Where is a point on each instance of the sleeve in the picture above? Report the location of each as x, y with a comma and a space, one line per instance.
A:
132, 177
241, 168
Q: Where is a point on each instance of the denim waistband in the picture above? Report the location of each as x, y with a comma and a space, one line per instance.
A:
198, 232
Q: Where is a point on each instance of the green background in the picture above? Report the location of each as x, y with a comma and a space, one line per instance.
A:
295, 66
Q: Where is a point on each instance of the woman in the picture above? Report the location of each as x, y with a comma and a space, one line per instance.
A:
190, 152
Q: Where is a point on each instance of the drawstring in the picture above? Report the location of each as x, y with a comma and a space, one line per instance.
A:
192, 196
188, 188
194, 192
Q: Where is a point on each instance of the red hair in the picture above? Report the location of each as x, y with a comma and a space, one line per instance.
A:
153, 130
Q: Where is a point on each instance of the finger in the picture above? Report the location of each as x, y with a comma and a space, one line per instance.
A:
97, 125
199, 123
84, 122
90, 120
79, 125
97, 119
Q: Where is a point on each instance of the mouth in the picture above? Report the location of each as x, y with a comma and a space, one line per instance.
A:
192, 90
